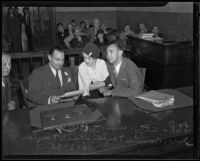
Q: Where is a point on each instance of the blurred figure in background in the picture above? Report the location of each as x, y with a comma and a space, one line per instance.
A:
13, 31
7, 103
93, 30
156, 33
27, 22
79, 40
83, 27
61, 35
142, 29
128, 31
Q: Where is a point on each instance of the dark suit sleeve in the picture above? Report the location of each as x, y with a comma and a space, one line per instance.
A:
35, 93
134, 86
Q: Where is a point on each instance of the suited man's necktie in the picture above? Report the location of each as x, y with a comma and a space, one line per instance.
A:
57, 78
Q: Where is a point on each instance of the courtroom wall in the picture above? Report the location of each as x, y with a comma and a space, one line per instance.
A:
106, 15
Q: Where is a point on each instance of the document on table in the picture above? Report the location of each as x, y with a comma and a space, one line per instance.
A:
72, 94
158, 99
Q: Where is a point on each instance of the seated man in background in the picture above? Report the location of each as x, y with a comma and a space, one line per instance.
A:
142, 29
156, 33
125, 75
7, 103
93, 30
79, 39
48, 82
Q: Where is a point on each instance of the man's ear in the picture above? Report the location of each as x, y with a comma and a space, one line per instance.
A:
49, 57
120, 53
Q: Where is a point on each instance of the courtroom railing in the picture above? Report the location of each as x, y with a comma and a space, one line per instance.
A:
43, 56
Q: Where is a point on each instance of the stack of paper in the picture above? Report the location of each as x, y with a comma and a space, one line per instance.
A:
147, 36
158, 99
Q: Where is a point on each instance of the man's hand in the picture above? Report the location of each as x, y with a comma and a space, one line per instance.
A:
11, 105
107, 93
55, 99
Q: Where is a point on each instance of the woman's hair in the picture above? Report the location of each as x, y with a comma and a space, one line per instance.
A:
91, 50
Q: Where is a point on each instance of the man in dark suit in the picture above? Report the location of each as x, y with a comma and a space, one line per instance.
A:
124, 74
27, 22
48, 82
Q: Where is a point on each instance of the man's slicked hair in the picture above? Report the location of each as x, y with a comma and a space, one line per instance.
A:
55, 48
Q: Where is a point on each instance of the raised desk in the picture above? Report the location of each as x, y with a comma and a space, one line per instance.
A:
126, 130
169, 64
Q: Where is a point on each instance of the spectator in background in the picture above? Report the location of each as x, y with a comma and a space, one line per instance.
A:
79, 40
93, 73
73, 22
103, 27
112, 35
17, 14
83, 27
101, 42
123, 36
69, 35
156, 33
100, 38
128, 31
88, 25
61, 35
27, 22
142, 29
13, 31
93, 30
7, 103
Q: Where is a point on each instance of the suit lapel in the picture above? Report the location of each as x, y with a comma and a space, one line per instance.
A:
121, 69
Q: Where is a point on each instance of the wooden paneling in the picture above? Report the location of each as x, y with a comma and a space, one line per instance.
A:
107, 17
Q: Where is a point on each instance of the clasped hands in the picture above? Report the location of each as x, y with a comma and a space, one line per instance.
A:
57, 99
105, 92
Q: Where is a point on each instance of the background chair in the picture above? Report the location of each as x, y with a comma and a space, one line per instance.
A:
143, 71
24, 100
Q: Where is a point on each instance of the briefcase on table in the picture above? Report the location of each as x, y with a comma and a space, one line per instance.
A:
64, 114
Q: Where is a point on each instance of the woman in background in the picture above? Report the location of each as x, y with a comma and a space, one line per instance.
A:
7, 103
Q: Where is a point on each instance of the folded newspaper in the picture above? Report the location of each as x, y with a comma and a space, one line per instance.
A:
156, 98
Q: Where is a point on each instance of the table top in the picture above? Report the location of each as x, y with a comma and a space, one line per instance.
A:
125, 128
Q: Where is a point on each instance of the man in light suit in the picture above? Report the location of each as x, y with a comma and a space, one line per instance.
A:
125, 76
48, 82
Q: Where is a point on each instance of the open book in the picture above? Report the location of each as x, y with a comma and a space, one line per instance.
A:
72, 94
156, 98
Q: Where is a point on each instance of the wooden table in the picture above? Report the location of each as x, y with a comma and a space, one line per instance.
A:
168, 64
126, 130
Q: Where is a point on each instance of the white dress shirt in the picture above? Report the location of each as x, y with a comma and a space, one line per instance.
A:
117, 67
